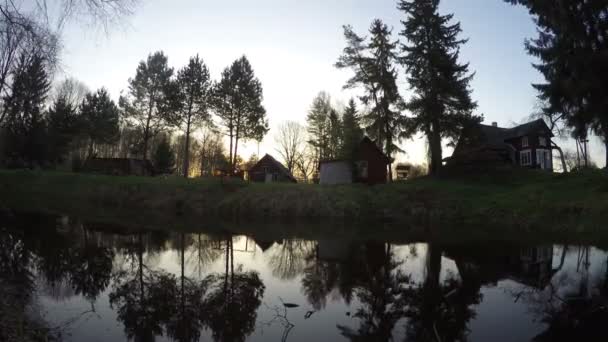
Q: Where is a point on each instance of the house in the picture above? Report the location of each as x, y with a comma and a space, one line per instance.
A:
119, 166
269, 170
402, 171
369, 166
528, 145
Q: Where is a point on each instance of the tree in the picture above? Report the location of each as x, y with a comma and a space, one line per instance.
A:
193, 83
164, 157
25, 124
290, 140
374, 69
72, 91
151, 98
237, 100
318, 126
571, 44
35, 28
352, 132
100, 117
441, 103
63, 126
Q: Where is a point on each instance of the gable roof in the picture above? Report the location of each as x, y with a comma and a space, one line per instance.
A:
497, 136
279, 165
368, 141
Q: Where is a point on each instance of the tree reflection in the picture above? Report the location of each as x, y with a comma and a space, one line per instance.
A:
185, 322
378, 285
233, 299
288, 258
142, 296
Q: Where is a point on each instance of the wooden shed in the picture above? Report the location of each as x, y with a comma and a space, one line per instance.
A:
369, 166
269, 170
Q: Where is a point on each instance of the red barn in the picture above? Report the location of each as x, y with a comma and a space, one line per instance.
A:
369, 166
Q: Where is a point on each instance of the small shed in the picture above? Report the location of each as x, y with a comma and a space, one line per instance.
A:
369, 166
119, 166
269, 170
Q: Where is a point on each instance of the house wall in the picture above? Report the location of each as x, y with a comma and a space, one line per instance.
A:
377, 166
533, 146
339, 172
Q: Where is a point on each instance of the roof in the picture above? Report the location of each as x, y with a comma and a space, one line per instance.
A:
366, 141
493, 136
275, 162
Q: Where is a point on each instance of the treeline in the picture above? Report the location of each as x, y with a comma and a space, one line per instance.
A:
79, 125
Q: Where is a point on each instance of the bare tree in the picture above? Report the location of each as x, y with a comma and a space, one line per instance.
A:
72, 90
291, 141
306, 164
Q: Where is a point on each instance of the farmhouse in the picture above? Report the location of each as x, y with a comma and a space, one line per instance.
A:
528, 145
119, 166
369, 166
269, 170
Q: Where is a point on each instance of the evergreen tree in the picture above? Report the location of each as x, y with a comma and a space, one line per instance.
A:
237, 100
25, 139
374, 69
571, 45
442, 103
100, 117
319, 127
63, 128
193, 82
151, 98
164, 157
335, 134
352, 132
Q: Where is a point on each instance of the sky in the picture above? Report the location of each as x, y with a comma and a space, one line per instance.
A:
293, 45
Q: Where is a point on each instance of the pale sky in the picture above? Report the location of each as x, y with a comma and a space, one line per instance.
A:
292, 46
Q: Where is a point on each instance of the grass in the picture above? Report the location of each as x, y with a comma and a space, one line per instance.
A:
521, 201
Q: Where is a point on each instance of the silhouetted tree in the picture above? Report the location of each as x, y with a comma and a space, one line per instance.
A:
99, 115
25, 124
374, 69
63, 129
442, 103
193, 86
318, 126
237, 100
151, 98
571, 43
164, 157
352, 132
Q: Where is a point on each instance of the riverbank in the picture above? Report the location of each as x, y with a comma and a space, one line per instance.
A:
522, 201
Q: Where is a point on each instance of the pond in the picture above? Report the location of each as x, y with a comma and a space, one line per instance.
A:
106, 285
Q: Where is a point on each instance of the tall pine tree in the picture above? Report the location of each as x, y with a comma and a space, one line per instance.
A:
237, 101
25, 139
572, 44
352, 132
151, 98
319, 126
374, 69
441, 104
194, 91
64, 125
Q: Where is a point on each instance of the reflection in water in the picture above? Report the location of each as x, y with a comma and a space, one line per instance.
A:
192, 287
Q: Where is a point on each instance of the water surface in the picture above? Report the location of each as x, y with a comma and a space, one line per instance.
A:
100, 285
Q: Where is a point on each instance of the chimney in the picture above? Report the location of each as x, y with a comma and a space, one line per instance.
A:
494, 124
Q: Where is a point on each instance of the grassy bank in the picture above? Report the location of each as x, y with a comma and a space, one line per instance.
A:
524, 200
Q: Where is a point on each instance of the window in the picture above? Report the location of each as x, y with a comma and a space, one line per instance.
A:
525, 158
543, 159
542, 141
525, 142
361, 168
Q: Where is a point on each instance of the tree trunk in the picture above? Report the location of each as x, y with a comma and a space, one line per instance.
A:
90, 153
561, 155
187, 150
147, 130
606, 145
436, 152
231, 137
